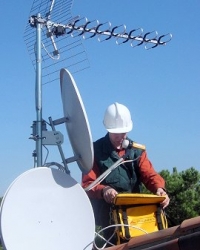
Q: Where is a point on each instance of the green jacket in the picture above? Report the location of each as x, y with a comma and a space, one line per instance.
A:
124, 178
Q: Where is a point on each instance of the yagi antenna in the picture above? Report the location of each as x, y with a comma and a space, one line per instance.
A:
59, 34
58, 27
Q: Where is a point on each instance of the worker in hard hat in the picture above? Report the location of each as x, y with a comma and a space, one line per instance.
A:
127, 177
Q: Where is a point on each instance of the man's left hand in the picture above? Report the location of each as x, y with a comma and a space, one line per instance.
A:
162, 192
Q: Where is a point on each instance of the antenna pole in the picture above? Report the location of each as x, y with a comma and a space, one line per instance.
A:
38, 93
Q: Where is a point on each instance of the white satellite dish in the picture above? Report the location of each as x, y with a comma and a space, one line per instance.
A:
77, 123
46, 209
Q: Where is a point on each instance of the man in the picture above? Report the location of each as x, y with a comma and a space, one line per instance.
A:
127, 177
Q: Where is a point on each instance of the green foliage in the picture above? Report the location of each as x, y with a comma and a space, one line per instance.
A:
183, 189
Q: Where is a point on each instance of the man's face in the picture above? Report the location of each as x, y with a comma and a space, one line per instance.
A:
117, 139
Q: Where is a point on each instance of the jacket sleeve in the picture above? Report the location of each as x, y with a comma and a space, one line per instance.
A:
87, 179
148, 176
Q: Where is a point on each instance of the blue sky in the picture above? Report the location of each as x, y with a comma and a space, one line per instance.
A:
161, 86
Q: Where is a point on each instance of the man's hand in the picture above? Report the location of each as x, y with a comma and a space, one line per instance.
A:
109, 194
161, 192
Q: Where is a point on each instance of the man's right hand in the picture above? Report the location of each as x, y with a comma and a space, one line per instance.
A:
109, 194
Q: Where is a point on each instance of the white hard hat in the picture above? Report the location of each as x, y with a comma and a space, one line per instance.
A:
117, 119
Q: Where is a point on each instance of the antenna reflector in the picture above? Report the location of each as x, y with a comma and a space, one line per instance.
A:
46, 209
77, 124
